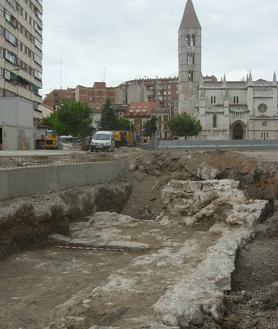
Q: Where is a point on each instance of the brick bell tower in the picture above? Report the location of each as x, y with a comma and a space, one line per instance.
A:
190, 60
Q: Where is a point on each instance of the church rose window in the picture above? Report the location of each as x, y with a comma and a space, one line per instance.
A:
262, 108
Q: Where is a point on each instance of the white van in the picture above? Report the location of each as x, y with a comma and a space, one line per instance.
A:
103, 141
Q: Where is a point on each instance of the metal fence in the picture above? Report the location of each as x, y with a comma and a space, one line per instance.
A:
46, 160
252, 145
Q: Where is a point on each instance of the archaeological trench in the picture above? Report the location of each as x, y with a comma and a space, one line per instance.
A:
178, 240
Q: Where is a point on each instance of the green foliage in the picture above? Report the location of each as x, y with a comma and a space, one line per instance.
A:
185, 125
150, 127
109, 120
71, 118
123, 124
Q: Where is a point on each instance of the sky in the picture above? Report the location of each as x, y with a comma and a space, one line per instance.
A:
119, 40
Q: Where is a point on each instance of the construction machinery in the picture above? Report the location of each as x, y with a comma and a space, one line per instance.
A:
48, 140
123, 138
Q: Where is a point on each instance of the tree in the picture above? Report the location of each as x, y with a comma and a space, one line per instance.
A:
123, 124
109, 120
150, 127
71, 118
185, 125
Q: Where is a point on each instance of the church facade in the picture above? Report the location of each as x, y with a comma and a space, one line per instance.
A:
244, 109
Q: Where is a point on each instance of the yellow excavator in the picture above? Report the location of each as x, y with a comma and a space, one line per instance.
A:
48, 141
123, 138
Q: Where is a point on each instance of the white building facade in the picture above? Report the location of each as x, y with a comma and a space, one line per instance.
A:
244, 109
17, 130
21, 29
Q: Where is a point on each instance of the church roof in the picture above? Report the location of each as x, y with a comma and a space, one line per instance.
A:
190, 19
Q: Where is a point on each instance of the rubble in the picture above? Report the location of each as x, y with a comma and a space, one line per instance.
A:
202, 292
195, 201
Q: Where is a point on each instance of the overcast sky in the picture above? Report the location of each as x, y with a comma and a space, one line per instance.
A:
118, 40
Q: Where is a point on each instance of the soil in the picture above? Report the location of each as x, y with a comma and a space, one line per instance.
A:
33, 283
253, 302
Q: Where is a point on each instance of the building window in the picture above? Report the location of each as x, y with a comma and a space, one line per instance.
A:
214, 121
10, 57
190, 76
236, 99
193, 40
12, 3
37, 43
213, 99
264, 136
1, 73
11, 19
37, 75
10, 38
190, 58
188, 40
38, 59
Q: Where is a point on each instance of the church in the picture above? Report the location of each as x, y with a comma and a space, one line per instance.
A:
244, 109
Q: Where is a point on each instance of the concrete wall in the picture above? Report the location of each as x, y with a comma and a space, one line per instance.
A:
16, 120
29, 181
137, 94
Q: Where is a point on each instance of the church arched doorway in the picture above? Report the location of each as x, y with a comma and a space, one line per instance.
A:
238, 131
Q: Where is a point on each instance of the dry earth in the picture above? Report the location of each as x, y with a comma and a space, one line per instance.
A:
37, 286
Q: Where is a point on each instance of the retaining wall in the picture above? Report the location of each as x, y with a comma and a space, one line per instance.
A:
188, 145
20, 182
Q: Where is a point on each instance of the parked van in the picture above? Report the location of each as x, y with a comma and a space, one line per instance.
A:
103, 141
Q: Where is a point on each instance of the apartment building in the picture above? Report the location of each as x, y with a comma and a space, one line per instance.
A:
57, 96
21, 49
161, 90
138, 114
95, 96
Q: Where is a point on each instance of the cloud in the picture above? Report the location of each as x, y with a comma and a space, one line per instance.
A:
136, 38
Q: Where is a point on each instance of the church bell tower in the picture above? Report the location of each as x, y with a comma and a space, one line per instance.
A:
190, 60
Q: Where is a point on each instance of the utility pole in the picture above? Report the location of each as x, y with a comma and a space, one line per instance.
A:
104, 75
61, 74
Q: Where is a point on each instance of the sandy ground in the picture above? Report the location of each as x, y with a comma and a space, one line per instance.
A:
106, 287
